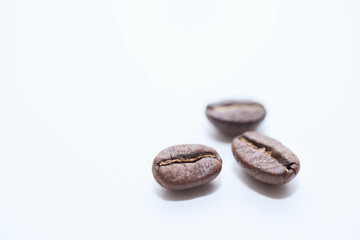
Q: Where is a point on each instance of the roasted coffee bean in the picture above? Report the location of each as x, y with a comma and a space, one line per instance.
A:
265, 159
235, 117
186, 166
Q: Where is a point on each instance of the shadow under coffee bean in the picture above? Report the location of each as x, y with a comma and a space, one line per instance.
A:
265, 159
186, 166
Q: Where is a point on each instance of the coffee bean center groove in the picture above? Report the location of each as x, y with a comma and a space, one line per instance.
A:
186, 160
265, 150
224, 108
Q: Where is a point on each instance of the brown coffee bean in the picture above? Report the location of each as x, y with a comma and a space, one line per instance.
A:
234, 117
265, 159
186, 166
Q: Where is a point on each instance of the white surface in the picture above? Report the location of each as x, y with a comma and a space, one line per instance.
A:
91, 91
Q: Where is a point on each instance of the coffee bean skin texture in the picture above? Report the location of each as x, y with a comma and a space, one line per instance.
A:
233, 117
265, 159
186, 166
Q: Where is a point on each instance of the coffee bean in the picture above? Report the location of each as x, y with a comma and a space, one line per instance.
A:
265, 159
186, 166
235, 117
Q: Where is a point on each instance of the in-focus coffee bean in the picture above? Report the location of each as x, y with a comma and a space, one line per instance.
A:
234, 117
186, 166
265, 159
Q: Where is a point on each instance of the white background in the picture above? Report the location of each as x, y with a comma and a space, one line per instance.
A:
91, 91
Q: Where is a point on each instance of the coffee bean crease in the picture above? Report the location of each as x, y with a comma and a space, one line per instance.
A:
236, 106
186, 160
268, 151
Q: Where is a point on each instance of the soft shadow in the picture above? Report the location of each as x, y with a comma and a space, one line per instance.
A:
188, 194
268, 190
221, 137
227, 138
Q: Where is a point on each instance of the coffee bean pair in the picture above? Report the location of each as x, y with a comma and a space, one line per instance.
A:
191, 165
